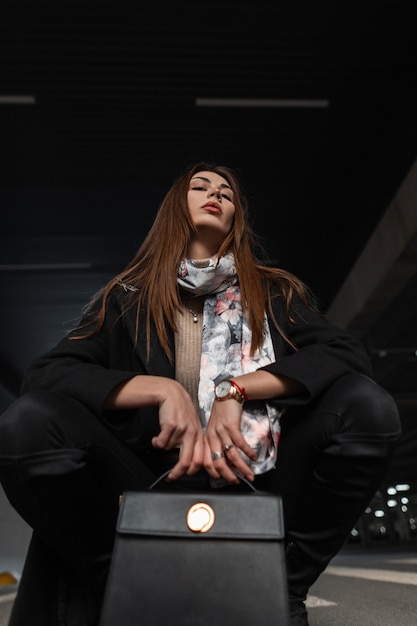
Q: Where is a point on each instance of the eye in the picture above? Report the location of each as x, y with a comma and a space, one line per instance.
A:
198, 188
224, 195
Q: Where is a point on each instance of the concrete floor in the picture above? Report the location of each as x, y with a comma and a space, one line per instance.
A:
369, 587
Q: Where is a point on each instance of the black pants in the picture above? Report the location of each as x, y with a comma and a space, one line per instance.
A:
63, 471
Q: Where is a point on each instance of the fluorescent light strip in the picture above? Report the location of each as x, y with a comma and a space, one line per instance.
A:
17, 99
260, 102
46, 266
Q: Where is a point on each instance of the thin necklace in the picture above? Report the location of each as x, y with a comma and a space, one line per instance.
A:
195, 316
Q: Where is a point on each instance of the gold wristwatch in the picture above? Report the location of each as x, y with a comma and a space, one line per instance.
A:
228, 389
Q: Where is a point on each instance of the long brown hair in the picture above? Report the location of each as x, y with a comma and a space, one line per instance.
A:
151, 276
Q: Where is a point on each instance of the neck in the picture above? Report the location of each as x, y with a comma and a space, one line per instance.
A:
199, 251
204, 247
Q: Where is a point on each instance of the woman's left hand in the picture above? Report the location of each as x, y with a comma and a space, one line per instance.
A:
223, 442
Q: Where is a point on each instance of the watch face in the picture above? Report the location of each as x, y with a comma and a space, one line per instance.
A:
223, 389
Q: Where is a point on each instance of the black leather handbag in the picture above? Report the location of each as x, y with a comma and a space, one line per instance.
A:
198, 559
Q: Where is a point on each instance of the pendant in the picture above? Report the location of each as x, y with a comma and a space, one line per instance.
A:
195, 318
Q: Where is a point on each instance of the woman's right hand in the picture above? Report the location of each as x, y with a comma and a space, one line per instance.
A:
178, 419
180, 428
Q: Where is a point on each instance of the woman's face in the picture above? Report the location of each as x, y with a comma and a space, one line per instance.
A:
210, 202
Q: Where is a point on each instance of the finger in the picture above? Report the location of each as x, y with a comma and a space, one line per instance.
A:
165, 438
208, 462
226, 471
171, 436
239, 464
222, 472
240, 443
217, 455
177, 471
197, 459
191, 457
219, 462
182, 466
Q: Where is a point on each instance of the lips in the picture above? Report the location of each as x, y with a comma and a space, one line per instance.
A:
213, 206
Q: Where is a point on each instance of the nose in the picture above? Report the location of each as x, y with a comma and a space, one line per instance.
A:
216, 192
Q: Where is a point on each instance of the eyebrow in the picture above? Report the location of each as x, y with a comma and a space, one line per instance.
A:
207, 180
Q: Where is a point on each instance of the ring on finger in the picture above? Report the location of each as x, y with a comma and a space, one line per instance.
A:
217, 455
228, 447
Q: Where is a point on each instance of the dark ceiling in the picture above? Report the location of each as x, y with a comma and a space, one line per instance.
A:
109, 114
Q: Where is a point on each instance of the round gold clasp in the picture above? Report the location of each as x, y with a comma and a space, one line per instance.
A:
200, 517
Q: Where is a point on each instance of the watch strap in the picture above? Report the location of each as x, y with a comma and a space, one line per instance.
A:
240, 389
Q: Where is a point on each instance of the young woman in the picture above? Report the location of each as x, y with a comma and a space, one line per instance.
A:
199, 360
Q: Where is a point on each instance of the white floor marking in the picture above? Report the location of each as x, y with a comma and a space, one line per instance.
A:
314, 601
7, 597
391, 576
410, 561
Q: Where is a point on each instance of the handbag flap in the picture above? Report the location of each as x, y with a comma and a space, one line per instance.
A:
257, 515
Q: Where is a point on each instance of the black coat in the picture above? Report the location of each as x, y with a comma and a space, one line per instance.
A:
89, 369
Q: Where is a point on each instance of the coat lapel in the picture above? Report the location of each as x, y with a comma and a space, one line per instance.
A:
158, 363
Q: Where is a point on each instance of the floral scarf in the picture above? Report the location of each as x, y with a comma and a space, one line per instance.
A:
225, 352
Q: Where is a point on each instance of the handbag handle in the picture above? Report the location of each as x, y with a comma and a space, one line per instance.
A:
238, 474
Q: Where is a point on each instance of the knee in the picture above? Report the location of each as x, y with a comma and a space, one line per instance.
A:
24, 421
365, 405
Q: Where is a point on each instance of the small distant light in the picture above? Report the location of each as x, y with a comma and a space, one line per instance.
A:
391, 491
379, 513
17, 99
44, 266
403, 487
392, 503
7, 578
285, 103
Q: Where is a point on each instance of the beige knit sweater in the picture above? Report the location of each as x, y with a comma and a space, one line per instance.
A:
188, 346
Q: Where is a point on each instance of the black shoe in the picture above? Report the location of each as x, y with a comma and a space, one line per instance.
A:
298, 613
